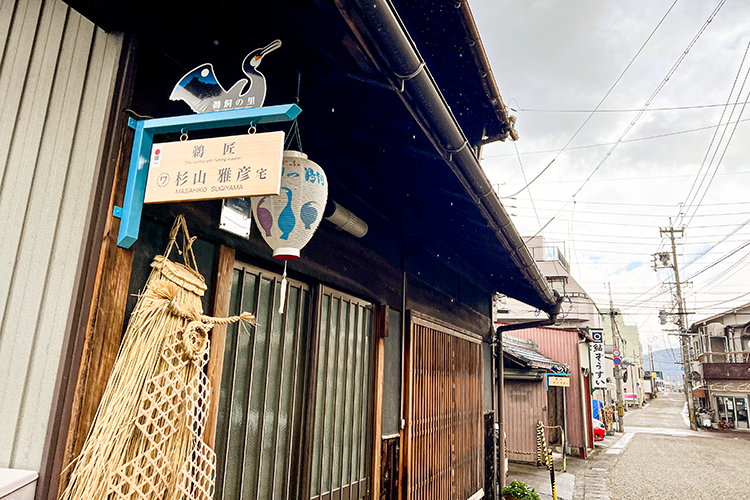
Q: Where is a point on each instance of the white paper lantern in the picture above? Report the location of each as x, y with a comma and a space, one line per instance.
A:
288, 221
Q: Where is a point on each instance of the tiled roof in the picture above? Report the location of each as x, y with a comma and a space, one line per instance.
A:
527, 352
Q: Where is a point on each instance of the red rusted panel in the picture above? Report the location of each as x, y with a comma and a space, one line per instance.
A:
562, 346
524, 402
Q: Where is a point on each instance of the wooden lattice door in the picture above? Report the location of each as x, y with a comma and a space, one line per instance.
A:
444, 445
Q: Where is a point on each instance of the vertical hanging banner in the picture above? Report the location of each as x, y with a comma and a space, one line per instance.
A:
209, 169
596, 354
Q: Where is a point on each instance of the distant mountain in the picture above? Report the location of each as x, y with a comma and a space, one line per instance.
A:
665, 361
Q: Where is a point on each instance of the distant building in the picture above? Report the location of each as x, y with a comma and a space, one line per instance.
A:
578, 309
632, 350
721, 361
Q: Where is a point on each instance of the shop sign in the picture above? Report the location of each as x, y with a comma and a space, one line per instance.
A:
558, 381
596, 353
209, 169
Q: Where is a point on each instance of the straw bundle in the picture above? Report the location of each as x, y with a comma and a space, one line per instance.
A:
145, 442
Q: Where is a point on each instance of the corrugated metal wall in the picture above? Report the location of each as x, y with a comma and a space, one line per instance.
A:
523, 405
56, 74
562, 346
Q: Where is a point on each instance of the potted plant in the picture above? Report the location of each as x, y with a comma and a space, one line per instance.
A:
518, 490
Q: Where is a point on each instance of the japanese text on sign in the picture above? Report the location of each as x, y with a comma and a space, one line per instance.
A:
208, 169
596, 353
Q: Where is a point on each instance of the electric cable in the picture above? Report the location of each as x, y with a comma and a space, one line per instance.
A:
690, 201
588, 118
602, 144
658, 89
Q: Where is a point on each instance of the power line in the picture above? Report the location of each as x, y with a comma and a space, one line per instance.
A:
673, 108
658, 89
610, 223
645, 204
689, 201
731, 214
605, 95
637, 139
523, 173
639, 178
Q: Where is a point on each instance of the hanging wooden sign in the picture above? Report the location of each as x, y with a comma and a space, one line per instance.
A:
557, 381
209, 169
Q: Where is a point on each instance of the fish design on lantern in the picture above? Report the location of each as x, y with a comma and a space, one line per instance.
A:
287, 220
265, 219
296, 212
201, 90
308, 214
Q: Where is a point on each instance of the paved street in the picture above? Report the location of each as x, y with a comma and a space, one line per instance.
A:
659, 457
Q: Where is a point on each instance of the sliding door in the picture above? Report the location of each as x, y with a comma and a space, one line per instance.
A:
342, 437
444, 444
262, 391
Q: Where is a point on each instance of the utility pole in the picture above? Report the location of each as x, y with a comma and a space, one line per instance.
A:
617, 373
653, 379
682, 323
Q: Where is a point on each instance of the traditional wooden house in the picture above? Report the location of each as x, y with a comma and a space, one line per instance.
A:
377, 378
525, 400
568, 408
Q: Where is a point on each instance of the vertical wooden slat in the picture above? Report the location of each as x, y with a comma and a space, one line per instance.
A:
222, 294
366, 370
325, 395
310, 408
358, 373
381, 332
241, 284
258, 294
345, 372
282, 346
293, 410
92, 295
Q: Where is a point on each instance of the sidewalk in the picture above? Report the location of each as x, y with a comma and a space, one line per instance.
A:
539, 479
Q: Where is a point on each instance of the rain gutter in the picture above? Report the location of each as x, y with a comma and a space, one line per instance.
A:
384, 38
488, 79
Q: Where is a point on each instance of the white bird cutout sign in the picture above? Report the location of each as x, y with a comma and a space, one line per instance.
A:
201, 90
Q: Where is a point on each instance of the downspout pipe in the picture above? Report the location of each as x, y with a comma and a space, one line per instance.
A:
500, 382
384, 38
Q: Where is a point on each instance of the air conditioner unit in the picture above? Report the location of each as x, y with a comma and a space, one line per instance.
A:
17, 484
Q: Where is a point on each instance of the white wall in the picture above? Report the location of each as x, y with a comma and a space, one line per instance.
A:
56, 74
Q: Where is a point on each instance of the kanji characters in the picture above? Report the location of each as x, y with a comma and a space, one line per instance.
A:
181, 179
243, 173
225, 174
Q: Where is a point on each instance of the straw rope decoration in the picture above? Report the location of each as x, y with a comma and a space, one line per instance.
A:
146, 439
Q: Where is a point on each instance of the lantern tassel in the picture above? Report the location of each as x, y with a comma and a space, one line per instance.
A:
282, 299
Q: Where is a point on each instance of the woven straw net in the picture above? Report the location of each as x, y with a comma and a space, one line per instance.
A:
145, 442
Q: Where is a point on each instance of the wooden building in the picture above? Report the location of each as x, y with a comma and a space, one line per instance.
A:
378, 381
573, 409
525, 400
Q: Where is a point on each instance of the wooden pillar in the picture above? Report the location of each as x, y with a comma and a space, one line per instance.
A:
95, 325
381, 332
222, 295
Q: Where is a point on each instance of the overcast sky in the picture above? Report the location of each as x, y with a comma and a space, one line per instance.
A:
552, 55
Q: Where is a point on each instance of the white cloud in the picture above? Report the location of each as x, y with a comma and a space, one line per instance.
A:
566, 55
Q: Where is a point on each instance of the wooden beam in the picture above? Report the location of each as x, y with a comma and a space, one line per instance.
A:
96, 319
381, 331
222, 294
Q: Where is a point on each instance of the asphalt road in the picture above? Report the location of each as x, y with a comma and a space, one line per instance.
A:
664, 460
662, 412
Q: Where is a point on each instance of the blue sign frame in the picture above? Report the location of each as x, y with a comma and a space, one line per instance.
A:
145, 130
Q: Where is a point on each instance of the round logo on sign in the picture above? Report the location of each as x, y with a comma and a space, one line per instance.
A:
162, 180
616, 353
618, 361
